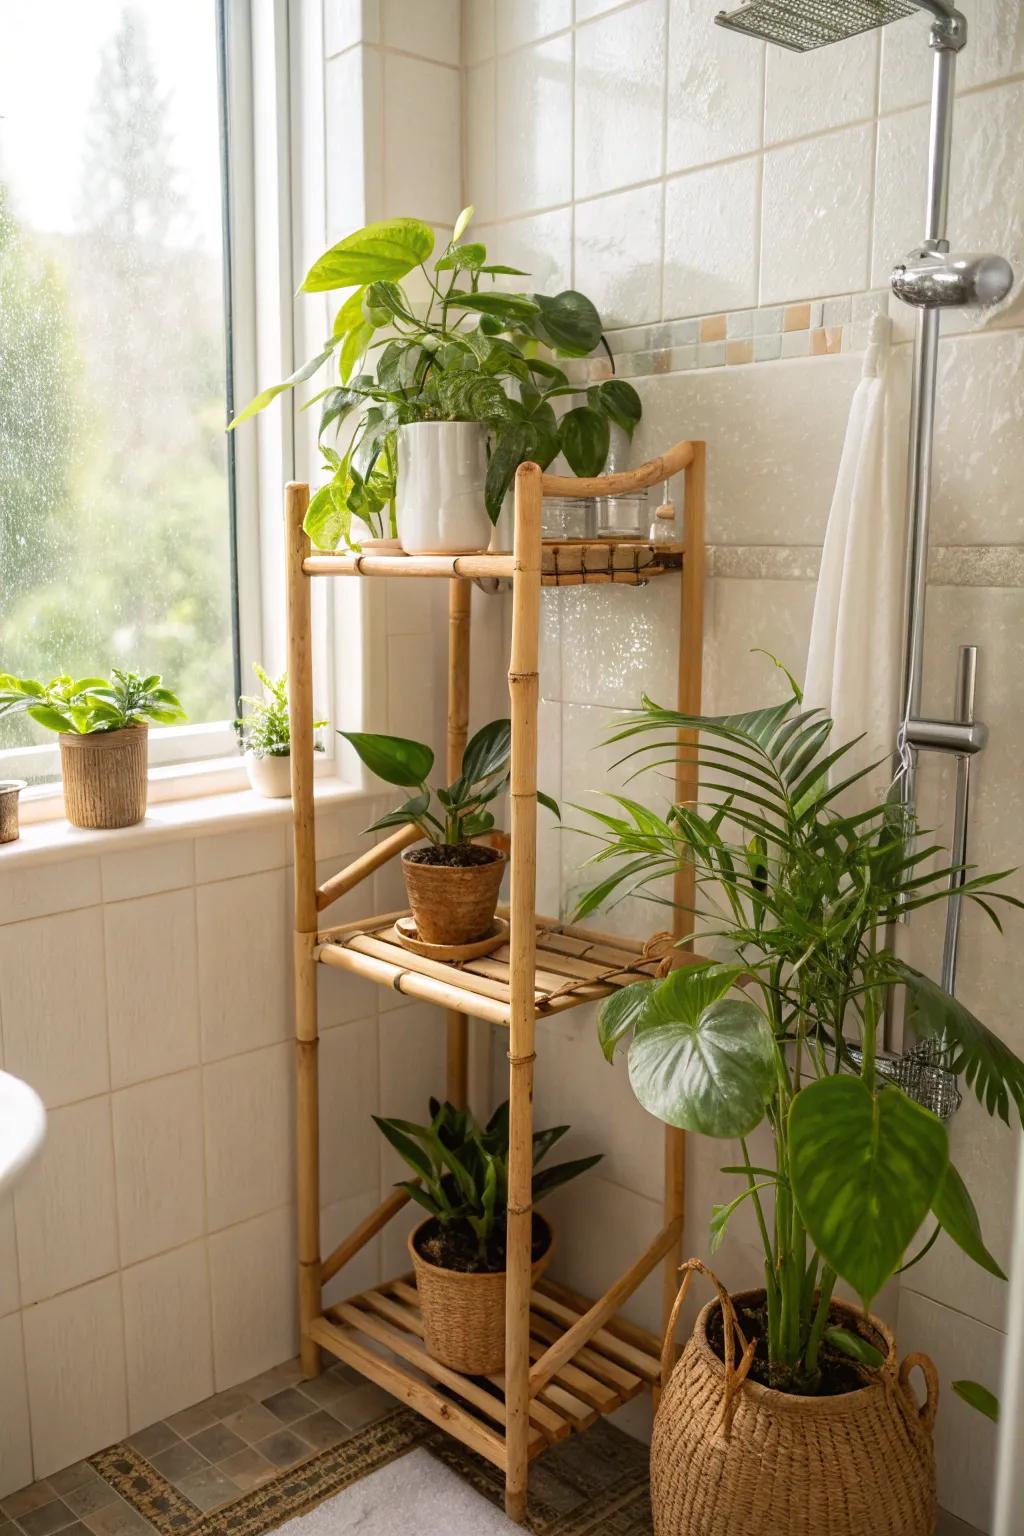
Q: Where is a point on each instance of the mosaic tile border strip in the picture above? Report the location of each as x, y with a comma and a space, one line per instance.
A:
814, 328
949, 565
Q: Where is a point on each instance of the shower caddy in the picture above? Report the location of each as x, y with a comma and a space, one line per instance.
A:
568, 1359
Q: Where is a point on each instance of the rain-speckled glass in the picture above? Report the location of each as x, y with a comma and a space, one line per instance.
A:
114, 511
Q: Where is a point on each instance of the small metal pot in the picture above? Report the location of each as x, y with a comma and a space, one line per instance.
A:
10, 789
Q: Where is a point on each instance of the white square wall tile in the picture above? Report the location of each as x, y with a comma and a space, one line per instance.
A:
431, 29
244, 963
422, 162
250, 1155
803, 98
146, 870
223, 855
995, 49
620, 64
711, 240
584, 1213
10, 1287
524, 21
715, 89
412, 1067
254, 1295
65, 1207
541, 245
74, 1357
336, 1222
168, 1341
15, 1441
815, 220
535, 128
478, 30
349, 1095
618, 255
638, 650
53, 1005
152, 986
158, 1161
480, 151
965, 1441
34, 890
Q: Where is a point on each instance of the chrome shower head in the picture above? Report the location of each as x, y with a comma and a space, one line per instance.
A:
801, 25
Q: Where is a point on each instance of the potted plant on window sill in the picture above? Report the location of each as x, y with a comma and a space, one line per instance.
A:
452, 881
103, 727
264, 735
461, 394
458, 1253
804, 894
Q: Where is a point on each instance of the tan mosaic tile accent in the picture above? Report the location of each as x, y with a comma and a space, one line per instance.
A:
797, 318
739, 351
712, 328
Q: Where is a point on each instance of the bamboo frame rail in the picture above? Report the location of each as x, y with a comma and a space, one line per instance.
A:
568, 1358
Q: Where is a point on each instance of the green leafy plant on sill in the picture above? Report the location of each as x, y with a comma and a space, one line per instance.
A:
474, 354
265, 730
91, 704
461, 1173
461, 808
804, 895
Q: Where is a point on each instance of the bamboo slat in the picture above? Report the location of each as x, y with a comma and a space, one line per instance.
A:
362, 1234
678, 457
647, 1344
442, 566
460, 599
595, 1364
353, 874
646, 1362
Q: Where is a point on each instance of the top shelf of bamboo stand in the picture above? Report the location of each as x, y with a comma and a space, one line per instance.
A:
564, 563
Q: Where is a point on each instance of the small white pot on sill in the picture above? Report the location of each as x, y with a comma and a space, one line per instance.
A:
442, 467
269, 775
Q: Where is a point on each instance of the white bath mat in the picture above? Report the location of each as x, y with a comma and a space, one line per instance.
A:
413, 1496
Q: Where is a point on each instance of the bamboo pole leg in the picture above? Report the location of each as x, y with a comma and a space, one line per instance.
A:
523, 691
460, 596
300, 709
691, 650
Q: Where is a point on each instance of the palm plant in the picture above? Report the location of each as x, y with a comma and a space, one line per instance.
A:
461, 1172
804, 894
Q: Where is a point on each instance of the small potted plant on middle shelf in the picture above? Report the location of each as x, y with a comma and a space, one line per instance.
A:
452, 882
458, 1253
265, 737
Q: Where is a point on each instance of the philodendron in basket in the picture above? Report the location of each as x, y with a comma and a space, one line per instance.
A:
461, 1181
472, 353
804, 895
264, 735
452, 882
103, 726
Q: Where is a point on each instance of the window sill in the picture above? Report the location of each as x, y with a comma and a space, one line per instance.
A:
208, 811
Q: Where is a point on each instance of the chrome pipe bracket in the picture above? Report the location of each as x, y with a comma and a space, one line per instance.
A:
965, 738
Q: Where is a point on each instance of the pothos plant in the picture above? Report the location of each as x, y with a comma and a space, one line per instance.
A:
804, 895
471, 353
449, 816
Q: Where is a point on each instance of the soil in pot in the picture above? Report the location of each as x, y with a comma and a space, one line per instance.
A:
453, 1245
839, 1374
453, 855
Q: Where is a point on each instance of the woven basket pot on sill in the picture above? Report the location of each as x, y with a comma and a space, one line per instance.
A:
452, 904
464, 1314
104, 773
733, 1458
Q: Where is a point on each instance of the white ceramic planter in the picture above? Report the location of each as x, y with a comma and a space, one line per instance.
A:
503, 531
269, 776
442, 466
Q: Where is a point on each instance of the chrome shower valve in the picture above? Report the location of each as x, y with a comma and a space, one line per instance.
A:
931, 278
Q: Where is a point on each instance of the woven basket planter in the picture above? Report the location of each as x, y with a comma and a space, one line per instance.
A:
104, 774
464, 1315
733, 1458
453, 905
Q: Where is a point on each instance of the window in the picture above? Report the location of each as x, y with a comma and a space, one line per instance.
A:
116, 510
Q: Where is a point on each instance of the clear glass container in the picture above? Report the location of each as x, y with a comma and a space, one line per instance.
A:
623, 517
569, 517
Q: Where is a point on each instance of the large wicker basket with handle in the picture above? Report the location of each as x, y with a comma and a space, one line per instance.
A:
732, 1458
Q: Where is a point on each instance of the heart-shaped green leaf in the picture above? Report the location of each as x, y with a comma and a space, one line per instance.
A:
713, 1074
585, 438
570, 321
954, 1209
865, 1169
387, 250
620, 1013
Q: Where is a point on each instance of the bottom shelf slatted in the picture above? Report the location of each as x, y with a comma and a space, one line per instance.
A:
380, 1334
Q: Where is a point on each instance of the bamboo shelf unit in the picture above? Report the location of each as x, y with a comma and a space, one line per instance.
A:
568, 1358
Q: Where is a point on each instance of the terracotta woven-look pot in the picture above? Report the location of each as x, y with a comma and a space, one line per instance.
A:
733, 1458
453, 905
104, 773
464, 1315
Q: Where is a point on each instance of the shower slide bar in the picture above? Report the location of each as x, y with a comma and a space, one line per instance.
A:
930, 279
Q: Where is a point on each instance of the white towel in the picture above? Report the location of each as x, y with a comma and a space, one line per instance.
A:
854, 658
